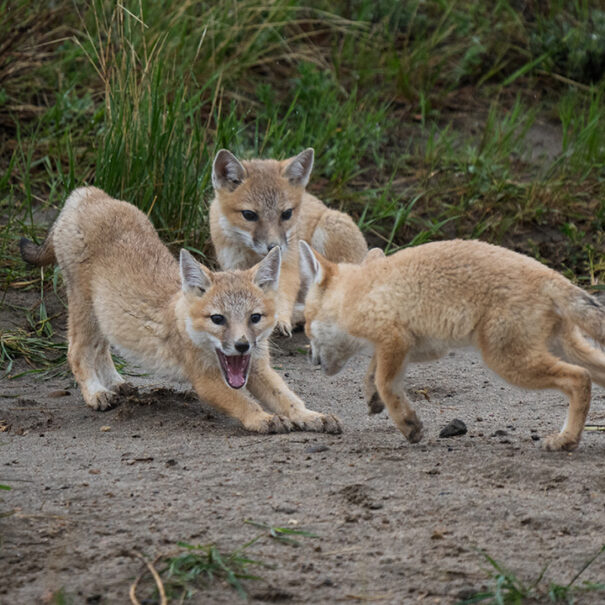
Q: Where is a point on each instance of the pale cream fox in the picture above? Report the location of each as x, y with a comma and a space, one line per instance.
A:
527, 320
124, 288
262, 204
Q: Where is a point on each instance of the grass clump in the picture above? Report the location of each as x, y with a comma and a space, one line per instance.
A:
508, 589
199, 566
196, 567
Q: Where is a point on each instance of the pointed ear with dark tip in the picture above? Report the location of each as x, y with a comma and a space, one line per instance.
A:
266, 275
298, 169
373, 254
227, 171
195, 279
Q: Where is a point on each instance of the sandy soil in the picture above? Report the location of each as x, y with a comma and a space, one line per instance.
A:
395, 523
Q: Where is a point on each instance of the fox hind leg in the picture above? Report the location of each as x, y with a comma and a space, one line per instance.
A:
578, 350
539, 369
89, 357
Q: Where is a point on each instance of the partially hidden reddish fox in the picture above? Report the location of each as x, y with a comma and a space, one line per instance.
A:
262, 204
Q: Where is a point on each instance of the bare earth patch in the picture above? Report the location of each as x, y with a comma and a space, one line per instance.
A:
395, 523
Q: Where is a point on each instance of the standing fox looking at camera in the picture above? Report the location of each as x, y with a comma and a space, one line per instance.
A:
262, 204
124, 288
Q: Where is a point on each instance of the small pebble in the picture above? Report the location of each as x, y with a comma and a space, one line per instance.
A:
453, 428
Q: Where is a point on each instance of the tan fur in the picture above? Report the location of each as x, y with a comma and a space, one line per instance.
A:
125, 289
268, 188
420, 302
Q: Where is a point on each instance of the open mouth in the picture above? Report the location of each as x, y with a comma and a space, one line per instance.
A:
235, 368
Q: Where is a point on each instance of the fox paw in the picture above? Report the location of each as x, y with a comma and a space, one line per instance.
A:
285, 327
271, 424
375, 404
101, 401
411, 427
319, 423
558, 441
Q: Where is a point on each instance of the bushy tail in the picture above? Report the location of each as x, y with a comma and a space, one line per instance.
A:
38, 255
587, 313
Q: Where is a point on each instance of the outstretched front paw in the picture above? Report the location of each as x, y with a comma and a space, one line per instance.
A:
318, 423
270, 423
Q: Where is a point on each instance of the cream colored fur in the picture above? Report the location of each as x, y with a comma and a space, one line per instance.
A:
125, 289
420, 302
268, 188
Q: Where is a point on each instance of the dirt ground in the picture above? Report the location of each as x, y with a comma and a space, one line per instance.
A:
395, 523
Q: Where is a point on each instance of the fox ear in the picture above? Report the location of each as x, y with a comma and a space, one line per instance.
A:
195, 279
298, 169
311, 270
227, 171
267, 271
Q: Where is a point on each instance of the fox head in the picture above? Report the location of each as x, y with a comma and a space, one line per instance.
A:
260, 199
231, 312
331, 345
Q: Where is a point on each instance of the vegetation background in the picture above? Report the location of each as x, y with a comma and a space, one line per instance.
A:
430, 119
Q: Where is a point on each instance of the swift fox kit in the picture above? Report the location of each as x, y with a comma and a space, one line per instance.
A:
124, 288
418, 303
262, 204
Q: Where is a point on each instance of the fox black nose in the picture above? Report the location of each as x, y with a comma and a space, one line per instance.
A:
242, 346
271, 246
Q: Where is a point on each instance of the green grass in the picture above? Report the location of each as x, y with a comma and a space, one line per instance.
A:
508, 589
198, 566
194, 568
426, 117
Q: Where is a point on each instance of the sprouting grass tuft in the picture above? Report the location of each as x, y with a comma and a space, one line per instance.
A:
508, 589
282, 534
198, 566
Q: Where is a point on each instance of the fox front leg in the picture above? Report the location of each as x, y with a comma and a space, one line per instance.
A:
390, 368
375, 404
289, 284
238, 404
270, 389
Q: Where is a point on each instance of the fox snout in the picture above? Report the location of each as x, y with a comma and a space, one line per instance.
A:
242, 346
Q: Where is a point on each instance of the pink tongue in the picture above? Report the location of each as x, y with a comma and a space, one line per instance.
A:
235, 367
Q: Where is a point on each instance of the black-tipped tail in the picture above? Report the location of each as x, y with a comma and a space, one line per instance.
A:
39, 256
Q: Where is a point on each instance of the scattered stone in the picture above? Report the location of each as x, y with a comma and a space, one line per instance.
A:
105, 429
535, 438
499, 433
171, 462
59, 393
286, 508
453, 428
314, 449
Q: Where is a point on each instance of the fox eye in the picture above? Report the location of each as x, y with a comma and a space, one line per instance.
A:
249, 215
286, 214
218, 319
255, 318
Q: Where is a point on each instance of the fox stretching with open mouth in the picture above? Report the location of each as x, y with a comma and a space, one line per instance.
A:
124, 288
262, 204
